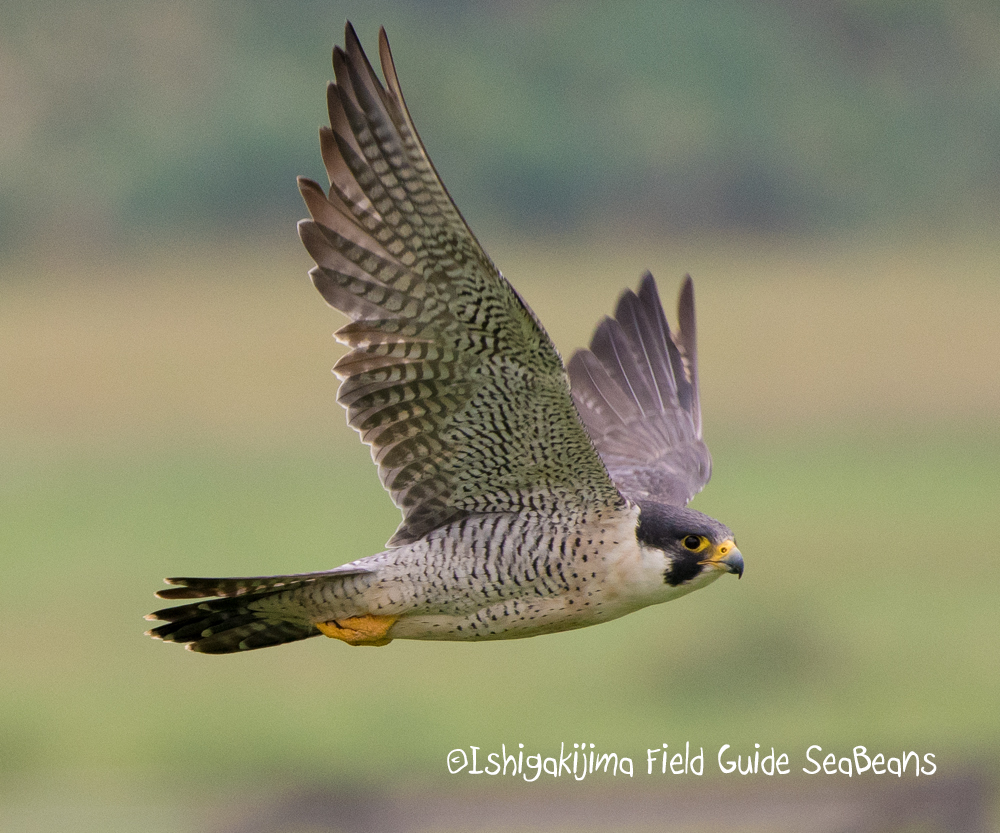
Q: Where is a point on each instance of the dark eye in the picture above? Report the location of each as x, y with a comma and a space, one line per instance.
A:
692, 542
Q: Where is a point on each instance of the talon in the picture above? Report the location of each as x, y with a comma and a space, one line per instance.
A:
359, 630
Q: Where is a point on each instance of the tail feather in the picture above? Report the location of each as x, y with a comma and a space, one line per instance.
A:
245, 613
200, 588
228, 625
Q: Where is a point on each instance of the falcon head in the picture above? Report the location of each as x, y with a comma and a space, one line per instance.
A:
693, 544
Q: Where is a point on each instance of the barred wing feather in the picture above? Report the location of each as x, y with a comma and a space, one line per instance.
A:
450, 377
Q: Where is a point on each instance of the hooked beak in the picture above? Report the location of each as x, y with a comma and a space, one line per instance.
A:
726, 557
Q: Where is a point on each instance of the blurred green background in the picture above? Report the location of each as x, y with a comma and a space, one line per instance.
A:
830, 175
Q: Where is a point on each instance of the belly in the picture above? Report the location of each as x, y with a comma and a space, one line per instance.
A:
515, 618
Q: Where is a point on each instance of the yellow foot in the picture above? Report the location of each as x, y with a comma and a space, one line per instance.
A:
359, 630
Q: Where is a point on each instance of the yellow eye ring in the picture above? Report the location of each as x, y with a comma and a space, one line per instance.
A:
694, 543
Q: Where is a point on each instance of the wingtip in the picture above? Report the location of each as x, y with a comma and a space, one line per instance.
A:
313, 196
311, 238
685, 309
648, 292
340, 62
687, 291
648, 289
350, 33
385, 57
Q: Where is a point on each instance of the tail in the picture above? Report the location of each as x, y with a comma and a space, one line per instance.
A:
242, 614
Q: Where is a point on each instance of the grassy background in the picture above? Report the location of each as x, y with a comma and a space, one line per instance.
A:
127, 119
163, 423
827, 172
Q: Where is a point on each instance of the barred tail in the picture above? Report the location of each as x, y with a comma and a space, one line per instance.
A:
245, 613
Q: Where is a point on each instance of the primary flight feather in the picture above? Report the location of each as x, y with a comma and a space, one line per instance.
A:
533, 500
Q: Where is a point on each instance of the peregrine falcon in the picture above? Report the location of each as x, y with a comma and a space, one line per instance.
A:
536, 497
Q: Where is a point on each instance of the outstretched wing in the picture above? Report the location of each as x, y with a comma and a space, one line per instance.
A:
450, 378
637, 391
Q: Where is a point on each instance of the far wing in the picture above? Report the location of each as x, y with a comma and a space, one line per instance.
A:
450, 378
637, 392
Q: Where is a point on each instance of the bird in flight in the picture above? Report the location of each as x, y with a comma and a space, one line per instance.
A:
536, 497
